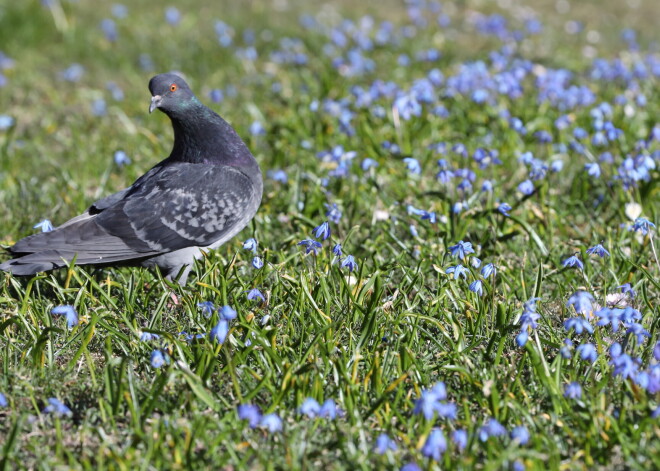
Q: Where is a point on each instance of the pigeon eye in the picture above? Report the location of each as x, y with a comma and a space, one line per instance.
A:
173, 87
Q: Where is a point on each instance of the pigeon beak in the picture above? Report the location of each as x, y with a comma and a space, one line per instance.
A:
155, 103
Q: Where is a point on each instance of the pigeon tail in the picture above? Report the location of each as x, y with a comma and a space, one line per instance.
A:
29, 265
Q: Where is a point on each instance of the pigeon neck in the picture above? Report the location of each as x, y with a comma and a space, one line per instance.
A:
201, 136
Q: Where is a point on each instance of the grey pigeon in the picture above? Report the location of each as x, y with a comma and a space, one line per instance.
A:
202, 195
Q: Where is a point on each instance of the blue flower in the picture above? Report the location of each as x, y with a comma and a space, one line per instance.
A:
529, 315
626, 288
278, 175
579, 324
256, 129
530, 304
461, 249
573, 261
109, 28
615, 350
638, 330
207, 308
446, 410
69, 312
368, 163
45, 226
492, 428
251, 245
257, 263
323, 231
220, 331
6, 122
254, 293
610, 316
430, 215
73, 73
227, 313
426, 404
504, 208
271, 422
190, 337
587, 352
249, 412
3, 401
592, 169
329, 410
148, 336
573, 390
216, 95
475, 262
444, 175
599, 250
656, 351
407, 106
465, 186
565, 350
520, 434
580, 133
413, 166
624, 366
628, 314
582, 302
310, 407
57, 408
337, 250
480, 95
528, 320
526, 187
99, 107
556, 166
415, 466
488, 269
642, 225
349, 262
439, 390
477, 287
517, 125
435, 445
431, 403
384, 443
310, 246
121, 158
458, 271
653, 386
642, 379
460, 438
157, 359
172, 16
522, 338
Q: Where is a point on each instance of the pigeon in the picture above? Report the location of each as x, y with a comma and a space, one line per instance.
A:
195, 200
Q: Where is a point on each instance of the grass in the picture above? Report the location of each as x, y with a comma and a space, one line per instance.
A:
374, 339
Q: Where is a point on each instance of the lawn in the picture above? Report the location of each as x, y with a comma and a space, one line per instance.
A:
454, 265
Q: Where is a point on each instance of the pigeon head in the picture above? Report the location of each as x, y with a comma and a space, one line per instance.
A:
170, 93
200, 134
